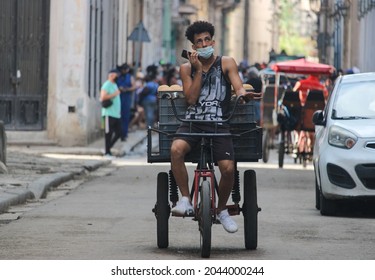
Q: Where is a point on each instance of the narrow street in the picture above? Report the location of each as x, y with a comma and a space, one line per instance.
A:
110, 217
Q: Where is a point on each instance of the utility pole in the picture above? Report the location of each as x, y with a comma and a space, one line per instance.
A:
167, 30
246, 32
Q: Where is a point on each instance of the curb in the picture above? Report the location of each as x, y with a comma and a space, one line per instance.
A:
126, 150
38, 189
14, 197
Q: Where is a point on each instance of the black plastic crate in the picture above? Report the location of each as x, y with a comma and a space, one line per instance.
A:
166, 114
247, 148
165, 141
245, 113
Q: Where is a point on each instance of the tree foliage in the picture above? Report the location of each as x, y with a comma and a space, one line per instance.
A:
291, 22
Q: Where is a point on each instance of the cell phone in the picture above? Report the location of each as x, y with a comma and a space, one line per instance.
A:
185, 53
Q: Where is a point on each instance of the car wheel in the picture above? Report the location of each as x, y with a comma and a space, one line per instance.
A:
317, 195
327, 206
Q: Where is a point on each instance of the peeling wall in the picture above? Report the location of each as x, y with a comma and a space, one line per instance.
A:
67, 106
73, 117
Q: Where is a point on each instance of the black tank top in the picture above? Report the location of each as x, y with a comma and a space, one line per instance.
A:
214, 100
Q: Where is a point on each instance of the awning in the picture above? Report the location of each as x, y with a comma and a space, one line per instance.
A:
302, 66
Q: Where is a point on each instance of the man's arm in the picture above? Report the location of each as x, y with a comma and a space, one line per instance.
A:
191, 86
297, 86
231, 70
132, 86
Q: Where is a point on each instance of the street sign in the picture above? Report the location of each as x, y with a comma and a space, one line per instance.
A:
139, 35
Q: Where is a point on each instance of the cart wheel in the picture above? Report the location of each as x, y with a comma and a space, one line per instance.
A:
205, 219
162, 210
250, 210
266, 146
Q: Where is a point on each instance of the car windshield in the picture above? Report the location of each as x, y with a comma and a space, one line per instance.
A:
355, 101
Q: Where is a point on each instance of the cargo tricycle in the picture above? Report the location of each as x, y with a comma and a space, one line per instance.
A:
247, 140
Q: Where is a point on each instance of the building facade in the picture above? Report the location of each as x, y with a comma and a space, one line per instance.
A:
346, 33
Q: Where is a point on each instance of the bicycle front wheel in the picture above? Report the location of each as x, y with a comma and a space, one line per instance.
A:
205, 219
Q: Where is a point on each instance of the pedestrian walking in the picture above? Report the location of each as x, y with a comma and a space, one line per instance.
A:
111, 111
148, 98
138, 120
126, 84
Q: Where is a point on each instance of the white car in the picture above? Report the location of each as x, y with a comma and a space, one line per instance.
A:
344, 148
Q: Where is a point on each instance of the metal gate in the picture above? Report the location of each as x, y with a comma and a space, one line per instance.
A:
24, 35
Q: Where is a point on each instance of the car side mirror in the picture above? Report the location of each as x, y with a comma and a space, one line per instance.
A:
318, 118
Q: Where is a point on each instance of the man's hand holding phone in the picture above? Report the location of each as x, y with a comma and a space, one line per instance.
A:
185, 54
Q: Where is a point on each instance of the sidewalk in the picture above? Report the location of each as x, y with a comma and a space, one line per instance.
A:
34, 169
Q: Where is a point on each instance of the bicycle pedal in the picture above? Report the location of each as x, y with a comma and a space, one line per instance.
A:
183, 215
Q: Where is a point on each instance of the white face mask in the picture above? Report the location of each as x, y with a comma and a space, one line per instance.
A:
205, 52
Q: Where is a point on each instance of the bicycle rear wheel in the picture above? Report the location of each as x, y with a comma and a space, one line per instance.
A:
205, 219
266, 146
162, 210
250, 210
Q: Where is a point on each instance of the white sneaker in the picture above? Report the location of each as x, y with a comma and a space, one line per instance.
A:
183, 207
227, 222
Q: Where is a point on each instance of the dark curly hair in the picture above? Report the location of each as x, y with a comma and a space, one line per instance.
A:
199, 27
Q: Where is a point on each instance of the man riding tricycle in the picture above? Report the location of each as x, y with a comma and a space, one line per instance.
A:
204, 123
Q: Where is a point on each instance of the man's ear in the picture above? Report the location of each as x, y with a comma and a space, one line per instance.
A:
193, 47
